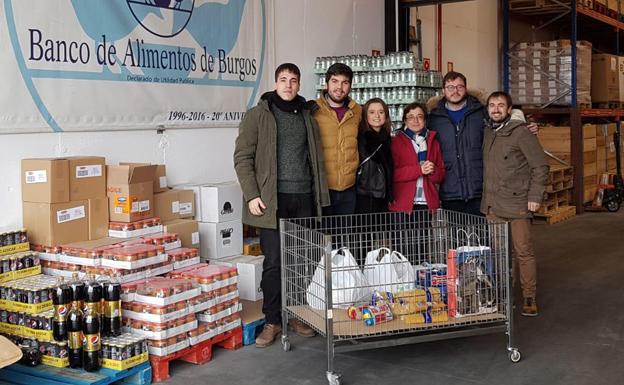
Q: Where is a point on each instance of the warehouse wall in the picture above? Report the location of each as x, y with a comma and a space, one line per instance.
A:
304, 29
470, 39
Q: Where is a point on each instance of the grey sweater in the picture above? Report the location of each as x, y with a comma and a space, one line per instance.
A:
293, 160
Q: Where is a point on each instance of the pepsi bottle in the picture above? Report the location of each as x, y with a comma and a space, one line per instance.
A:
74, 331
61, 299
93, 297
78, 292
111, 322
91, 343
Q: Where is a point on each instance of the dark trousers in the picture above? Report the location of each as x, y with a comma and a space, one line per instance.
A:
470, 206
288, 206
342, 202
367, 205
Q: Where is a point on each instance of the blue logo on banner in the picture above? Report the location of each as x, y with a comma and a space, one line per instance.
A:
214, 26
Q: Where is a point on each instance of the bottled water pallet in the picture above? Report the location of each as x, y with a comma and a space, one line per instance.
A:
48, 375
197, 354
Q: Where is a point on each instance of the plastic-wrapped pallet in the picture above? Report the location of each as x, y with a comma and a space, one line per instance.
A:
541, 73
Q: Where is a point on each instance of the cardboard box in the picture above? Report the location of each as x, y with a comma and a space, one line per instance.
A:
160, 179
605, 81
219, 240
45, 180
196, 188
221, 202
249, 274
187, 230
129, 188
167, 205
187, 203
98, 218
53, 224
251, 246
87, 177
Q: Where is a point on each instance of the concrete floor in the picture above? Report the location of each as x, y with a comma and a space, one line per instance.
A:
578, 338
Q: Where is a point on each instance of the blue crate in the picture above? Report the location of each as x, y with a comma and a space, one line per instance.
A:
251, 330
48, 375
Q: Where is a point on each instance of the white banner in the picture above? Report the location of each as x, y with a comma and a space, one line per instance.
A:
73, 65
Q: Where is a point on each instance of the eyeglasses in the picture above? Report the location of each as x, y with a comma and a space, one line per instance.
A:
452, 88
409, 118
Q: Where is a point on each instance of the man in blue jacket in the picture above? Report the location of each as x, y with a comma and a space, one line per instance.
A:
459, 119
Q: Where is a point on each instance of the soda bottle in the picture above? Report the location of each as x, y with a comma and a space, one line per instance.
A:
78, 291
111, 322
74, 328
91, 343
93, 297
61, 296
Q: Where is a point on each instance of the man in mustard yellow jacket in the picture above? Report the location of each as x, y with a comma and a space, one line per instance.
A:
338, 119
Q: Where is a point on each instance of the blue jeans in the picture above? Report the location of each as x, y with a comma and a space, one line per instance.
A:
342, 202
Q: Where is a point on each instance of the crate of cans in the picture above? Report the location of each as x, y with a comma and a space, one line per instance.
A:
135, 229
168, 346
183, 257
168, 241
19, 265
134, 257
37, 326
14, 241
165, 291
161, 331
210, 277
28, 295
153, 313
123, 352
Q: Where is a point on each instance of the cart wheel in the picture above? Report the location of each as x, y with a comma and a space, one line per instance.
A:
285, 344
333, 378
515, 356
613, 206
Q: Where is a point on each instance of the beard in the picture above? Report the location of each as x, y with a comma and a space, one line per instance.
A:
337, 100
499, 119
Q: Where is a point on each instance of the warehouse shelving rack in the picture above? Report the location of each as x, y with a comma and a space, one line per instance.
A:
579, 19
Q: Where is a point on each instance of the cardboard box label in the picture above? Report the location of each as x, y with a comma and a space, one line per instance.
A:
70, 214
36, 176
195, 238
175, 207
186, 208
163, 181
89, 171
123, 205
226, 237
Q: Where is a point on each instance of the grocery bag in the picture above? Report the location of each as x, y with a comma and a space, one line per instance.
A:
389, 271
348, 283
471, 280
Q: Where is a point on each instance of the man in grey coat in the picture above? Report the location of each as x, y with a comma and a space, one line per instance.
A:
279, 163
515, 176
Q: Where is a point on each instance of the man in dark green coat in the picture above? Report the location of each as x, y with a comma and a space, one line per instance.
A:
279, 164
515, 175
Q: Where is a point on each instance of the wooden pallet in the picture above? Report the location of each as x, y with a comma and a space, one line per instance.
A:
561, 214
48, 375
198, 354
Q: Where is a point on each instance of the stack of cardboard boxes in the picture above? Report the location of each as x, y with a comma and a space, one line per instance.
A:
176, 209
64, 200
219, 212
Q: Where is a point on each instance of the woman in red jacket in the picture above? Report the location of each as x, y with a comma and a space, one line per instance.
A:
418, 163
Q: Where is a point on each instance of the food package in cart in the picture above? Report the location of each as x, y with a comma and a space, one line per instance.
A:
164, 291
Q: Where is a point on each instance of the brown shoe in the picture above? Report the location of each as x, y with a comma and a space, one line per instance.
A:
267, 337
529, 307
301, 329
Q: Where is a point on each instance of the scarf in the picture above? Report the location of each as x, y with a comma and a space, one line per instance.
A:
294, 105
419, 141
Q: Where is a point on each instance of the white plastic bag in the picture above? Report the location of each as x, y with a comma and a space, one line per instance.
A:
348, 283
393, 272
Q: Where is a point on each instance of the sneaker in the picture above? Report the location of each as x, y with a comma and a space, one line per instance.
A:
529, 307
267, 337
301, 329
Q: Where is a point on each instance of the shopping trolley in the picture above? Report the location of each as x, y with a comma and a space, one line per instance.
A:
375, 280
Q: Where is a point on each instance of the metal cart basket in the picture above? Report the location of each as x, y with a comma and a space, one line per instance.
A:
375, 280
